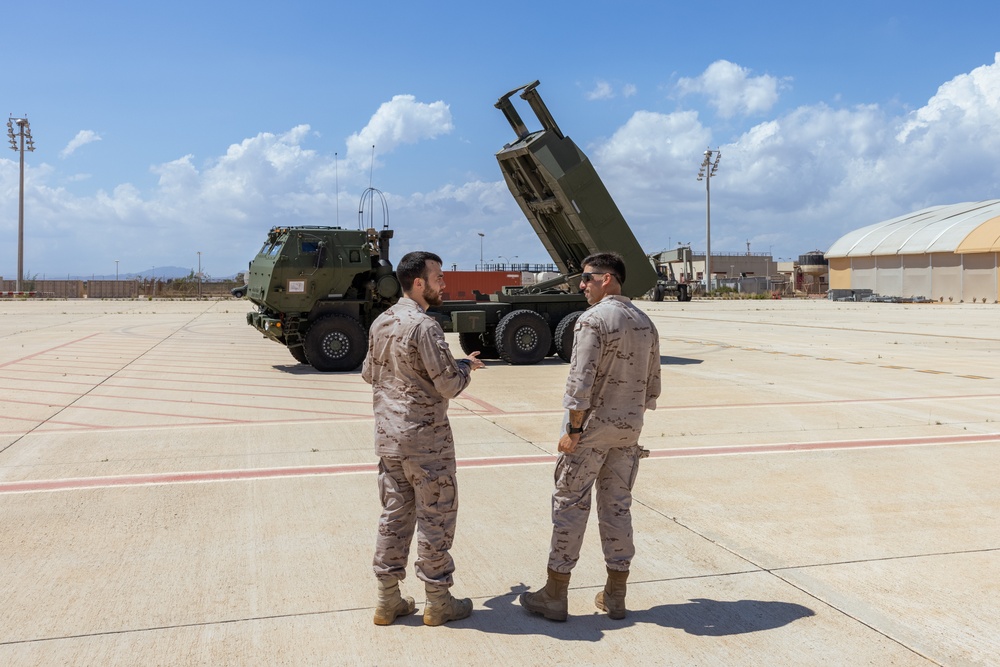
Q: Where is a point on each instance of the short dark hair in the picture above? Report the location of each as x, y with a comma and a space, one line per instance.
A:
413, 266
611, 262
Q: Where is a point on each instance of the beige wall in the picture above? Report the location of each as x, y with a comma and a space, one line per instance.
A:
840, 273
940, 276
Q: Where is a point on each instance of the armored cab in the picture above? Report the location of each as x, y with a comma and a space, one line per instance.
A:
318, 289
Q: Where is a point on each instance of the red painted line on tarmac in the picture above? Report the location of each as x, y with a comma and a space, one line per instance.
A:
181, 478
37, 354
483, 462
487, 408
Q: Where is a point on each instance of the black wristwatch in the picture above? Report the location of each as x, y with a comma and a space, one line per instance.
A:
571, 430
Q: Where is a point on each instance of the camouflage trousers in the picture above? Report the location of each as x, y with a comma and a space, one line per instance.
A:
421, 496
614, 470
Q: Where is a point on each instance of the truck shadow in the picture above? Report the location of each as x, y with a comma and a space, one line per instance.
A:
698, 616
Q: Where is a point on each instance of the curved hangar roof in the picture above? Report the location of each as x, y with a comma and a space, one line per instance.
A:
957, 228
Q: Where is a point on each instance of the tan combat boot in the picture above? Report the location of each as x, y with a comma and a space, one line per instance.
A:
442, 607
391, 604
552, 600
612, 598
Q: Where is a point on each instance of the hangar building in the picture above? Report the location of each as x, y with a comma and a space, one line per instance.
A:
940, 253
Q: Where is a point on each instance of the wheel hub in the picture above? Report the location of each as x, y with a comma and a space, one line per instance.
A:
336, 345
526, 339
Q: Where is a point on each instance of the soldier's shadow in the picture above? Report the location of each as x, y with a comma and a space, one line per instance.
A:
699, 616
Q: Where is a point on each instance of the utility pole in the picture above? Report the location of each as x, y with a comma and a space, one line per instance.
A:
706, 172
24, 134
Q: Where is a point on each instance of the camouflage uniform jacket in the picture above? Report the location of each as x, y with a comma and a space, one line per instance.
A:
413, 375
614, 373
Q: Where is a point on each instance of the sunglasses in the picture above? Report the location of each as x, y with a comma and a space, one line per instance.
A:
587, 276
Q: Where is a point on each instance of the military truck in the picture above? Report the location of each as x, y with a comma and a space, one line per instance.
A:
318, 289
670, 283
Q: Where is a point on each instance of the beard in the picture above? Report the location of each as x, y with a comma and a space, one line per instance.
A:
433, 298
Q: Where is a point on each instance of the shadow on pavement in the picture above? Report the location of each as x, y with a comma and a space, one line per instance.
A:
700, 616
678, 361
717, 618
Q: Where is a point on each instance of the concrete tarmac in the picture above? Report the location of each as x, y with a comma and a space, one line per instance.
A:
822, 490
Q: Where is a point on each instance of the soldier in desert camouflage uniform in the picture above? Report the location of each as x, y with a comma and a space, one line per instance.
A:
614, 378
413, 375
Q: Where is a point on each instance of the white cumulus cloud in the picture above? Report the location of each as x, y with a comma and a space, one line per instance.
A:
82, 138
402, 120
732, 90
603, 90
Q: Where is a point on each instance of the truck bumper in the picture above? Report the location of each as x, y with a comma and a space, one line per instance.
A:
269, 326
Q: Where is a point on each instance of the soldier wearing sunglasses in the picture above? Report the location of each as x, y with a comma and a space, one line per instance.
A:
614, 378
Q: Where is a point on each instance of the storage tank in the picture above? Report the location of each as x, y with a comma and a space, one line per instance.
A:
813, 263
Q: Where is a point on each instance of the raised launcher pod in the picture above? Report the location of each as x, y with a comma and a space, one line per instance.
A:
565, 201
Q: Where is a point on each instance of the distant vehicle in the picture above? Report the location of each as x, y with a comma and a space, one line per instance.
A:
668, 282
318, 289
240, 291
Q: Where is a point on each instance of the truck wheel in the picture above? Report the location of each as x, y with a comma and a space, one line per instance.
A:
523, 337
335, 344
658, 293
564, 335
299, 353
473, 342
682, 293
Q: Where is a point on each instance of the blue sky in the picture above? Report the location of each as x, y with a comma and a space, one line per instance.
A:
164, 130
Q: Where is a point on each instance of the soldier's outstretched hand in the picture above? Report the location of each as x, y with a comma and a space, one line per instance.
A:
474, 362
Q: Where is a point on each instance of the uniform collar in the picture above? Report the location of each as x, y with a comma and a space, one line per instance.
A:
407, 302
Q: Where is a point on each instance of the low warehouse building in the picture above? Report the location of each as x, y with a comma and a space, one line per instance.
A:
947, 253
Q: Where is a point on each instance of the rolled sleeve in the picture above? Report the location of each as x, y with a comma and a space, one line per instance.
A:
653, 381
583, 367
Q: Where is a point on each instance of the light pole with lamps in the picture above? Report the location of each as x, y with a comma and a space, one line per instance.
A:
199, 274
706, 172
481, 235
24, 134
506, 259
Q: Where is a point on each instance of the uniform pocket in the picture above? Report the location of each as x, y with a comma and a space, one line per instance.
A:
439, 492
574, 472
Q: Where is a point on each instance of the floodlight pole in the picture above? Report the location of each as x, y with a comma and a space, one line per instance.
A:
706, 172
23, 133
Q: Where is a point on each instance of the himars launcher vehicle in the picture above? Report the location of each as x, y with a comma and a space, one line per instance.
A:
318, 289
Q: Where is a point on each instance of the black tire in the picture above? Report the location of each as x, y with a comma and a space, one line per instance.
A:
238, 292
658, 293
299, 353
682, 293
473, 342
564, 335
335, 344
523, 337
